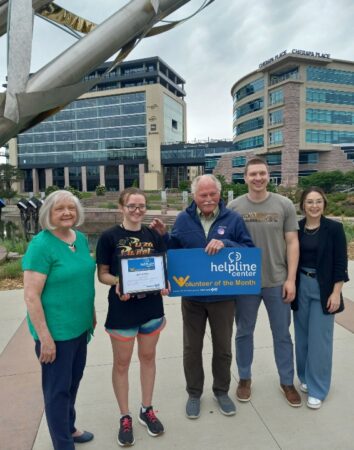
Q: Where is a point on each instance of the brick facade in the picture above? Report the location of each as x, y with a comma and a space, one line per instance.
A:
291, 134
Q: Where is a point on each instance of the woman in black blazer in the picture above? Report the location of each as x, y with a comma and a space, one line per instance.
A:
320, 277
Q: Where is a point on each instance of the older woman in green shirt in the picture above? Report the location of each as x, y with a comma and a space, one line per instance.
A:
59, 294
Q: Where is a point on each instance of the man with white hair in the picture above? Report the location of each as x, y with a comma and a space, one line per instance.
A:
207, 223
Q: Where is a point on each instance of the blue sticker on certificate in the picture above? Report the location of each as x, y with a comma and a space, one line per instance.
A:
141, 264
192, 272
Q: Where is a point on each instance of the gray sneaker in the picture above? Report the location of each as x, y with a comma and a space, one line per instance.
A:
226, 405
193, 407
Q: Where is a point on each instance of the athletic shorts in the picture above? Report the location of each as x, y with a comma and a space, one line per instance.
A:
149, 328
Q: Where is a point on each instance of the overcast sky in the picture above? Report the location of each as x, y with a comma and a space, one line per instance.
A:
214, 49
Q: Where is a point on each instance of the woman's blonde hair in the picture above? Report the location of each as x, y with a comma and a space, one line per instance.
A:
51, 200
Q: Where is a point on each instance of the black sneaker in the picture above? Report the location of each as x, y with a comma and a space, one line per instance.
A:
152, 423
125, 434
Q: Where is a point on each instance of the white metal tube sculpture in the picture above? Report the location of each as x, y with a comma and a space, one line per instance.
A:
28, 100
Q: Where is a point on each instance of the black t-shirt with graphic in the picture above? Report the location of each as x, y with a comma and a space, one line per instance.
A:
118, 241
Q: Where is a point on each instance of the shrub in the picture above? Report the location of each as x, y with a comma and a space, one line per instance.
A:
11, 269
15, 245
338, 197
184, 186
326, 180
349, 212
349, 230
73, 191
100, 190
109, 205
292, 193
86, 195
51, 189
10, 193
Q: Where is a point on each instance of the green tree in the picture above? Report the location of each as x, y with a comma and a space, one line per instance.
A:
349, 178
51, 189
325, 180
73, 191
236, 188
8, 175
184, 186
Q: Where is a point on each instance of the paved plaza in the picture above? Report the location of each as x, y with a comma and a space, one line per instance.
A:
265, 423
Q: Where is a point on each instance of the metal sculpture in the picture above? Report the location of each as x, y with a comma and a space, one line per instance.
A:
30, 99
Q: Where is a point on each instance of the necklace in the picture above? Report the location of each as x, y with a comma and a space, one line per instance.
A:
64, 239
311, 231
72, 246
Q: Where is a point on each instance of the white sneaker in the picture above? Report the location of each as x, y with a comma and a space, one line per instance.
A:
314, 403
303, 387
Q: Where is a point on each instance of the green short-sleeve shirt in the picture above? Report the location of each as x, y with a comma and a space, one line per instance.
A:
68, 294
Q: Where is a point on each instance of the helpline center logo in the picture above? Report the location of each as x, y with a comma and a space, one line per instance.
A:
193, 272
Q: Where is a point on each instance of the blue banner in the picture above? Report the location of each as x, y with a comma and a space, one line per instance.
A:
192, 272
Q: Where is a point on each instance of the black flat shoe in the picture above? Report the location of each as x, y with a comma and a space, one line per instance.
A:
86, 436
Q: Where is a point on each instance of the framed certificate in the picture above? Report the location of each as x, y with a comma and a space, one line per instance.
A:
138, 274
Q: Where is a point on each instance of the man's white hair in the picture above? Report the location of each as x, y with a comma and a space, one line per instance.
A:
198, 179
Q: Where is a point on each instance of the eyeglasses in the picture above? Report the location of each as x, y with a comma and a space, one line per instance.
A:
314, 202
133, 208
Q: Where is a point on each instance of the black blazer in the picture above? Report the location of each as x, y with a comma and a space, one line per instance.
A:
332, 260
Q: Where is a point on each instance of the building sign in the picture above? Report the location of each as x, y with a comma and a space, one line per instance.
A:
192, 272
294, 51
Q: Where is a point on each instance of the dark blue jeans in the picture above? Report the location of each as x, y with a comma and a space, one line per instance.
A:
60, 383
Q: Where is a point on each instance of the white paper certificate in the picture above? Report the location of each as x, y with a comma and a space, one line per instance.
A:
145, 274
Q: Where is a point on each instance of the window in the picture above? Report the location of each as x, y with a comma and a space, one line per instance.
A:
249, 89
275, 137
153, 127
86, 129
276, 97
174, 124
334, 76
308, 158
75, 171
276, 117
238, 178
249, 107
239, 161
275, 177
329, 116
210, 164
349, 151
329, 136
329, 96
305, 173
253, 142
249, 125
289, 74
273, 159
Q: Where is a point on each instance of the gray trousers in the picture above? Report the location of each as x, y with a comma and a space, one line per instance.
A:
279, 318
221, 317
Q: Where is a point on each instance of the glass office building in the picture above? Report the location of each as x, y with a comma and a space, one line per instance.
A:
111, 135
297, 111
184, 160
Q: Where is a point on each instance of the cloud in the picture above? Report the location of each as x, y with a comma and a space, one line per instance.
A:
223, 43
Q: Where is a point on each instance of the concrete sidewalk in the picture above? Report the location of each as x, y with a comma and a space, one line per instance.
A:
265, 423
